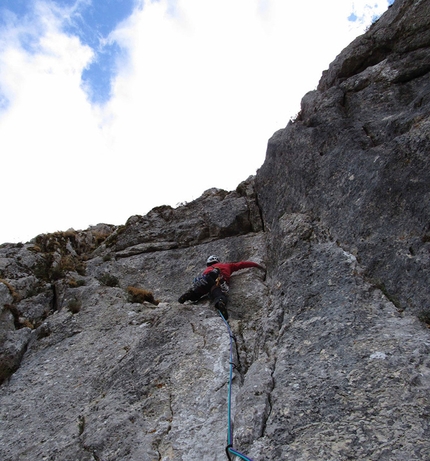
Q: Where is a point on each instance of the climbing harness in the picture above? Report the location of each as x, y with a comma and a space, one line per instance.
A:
229, 448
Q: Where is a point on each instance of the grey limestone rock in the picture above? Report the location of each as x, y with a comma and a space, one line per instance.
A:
356, 159
330, 344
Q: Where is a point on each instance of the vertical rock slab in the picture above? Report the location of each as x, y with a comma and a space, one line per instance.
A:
357, 156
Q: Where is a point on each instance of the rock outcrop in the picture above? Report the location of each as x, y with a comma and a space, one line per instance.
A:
98, 360
357, 157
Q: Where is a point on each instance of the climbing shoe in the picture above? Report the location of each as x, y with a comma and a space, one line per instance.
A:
183, 298
221, 307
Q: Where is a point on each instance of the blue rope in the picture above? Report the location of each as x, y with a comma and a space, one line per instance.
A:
229, 449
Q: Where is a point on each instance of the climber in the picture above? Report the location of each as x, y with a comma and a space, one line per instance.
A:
214, 281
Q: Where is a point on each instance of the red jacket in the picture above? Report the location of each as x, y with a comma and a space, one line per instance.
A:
227, 269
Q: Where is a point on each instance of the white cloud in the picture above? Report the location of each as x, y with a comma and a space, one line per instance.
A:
46, 133
203, 87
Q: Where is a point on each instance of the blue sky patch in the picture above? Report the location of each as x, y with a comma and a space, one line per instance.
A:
19, 7
97, 18
92, 21
97, 77
353, 17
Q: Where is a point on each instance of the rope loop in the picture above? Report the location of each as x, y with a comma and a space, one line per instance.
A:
227, 448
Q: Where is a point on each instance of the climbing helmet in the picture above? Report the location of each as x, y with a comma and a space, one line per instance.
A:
212, 260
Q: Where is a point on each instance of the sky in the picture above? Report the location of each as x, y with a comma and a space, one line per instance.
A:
109, 108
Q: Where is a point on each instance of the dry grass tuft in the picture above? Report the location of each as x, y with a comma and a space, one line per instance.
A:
140, 295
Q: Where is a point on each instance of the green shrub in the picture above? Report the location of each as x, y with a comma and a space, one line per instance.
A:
424, 316
73, 283
109, 280
74, 306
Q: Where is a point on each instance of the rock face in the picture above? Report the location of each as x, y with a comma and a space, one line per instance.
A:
357, 157
98, 360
